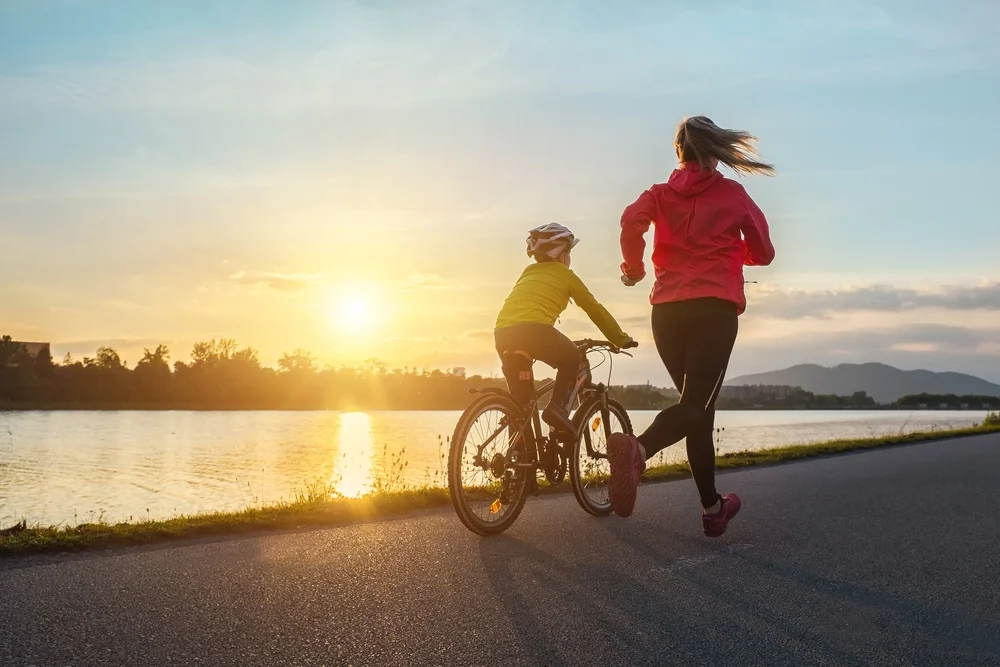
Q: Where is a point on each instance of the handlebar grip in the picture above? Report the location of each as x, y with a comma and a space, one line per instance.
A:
631, 345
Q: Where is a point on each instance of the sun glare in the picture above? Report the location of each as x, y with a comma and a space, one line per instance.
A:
354, 311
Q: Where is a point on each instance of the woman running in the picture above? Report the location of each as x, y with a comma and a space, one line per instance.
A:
707, 229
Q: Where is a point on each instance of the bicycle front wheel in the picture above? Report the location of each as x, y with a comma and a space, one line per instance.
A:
589, 470
488, 470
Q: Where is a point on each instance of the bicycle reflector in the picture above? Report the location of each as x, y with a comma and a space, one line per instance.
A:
495, 507
596, 424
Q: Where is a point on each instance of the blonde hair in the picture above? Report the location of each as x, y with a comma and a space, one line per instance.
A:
700, 140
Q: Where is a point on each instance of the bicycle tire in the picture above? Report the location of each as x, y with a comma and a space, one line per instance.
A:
460, 494
583, 481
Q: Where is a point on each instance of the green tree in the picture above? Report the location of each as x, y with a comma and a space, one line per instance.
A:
107, 359
156, 361
17, 373
43, 362
12, 353
299, 361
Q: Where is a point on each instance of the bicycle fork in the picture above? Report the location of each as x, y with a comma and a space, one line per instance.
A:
605, 421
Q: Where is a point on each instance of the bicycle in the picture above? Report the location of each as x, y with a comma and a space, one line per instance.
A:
498, 446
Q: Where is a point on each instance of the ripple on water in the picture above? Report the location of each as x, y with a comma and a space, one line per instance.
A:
61, 467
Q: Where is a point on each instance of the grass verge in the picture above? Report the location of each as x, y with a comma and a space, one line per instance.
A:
313, 509
799, 452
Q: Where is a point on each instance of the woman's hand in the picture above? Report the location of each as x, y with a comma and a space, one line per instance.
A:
629, 282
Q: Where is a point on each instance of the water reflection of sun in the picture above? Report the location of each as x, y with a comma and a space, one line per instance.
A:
352, 474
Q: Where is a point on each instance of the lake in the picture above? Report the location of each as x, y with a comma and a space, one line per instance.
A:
73, 467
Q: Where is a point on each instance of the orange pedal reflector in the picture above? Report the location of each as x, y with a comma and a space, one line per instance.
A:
495, 507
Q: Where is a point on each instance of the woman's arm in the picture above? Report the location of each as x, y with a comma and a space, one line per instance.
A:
635, 223
758, 249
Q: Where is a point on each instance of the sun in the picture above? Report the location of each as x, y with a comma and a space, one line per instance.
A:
354, 311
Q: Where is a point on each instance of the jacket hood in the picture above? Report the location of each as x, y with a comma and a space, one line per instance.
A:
690, 179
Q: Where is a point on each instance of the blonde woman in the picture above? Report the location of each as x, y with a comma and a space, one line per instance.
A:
707, 228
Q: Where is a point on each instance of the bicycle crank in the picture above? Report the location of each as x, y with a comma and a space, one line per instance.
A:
556, 464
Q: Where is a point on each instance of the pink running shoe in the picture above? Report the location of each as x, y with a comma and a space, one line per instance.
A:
626, 466
715, 524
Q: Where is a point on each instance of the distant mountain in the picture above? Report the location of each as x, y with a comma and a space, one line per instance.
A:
884, 383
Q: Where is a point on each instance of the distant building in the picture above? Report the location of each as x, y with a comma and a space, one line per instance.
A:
458, 371
748, 392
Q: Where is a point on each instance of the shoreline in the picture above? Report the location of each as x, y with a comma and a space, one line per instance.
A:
159, 407
315, 508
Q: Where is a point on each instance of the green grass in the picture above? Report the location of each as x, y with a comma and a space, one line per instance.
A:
282, 516
314, 505
799, 452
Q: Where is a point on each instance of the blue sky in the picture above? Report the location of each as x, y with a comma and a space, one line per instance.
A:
177, 171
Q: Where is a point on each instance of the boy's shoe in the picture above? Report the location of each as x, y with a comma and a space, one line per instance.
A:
626, 466
557, 417
715, 524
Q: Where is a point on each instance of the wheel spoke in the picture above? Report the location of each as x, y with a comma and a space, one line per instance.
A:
490, 485
592, 472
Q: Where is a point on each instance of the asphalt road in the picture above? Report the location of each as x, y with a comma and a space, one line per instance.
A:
882, 558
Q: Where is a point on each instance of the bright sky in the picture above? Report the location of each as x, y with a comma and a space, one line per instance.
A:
357, 178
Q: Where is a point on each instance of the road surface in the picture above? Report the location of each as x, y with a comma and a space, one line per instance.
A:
882, 558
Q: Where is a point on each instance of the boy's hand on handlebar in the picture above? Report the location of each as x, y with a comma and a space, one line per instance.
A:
631, 344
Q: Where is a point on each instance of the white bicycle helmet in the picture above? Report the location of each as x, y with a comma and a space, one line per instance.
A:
551, 240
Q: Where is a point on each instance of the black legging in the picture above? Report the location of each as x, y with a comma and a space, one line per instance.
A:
694, 339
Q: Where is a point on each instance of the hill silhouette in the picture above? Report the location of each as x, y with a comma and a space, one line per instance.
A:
882, 382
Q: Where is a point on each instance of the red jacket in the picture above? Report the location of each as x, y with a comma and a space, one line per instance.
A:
707, 229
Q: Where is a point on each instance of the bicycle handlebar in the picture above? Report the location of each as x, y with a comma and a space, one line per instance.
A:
591, 344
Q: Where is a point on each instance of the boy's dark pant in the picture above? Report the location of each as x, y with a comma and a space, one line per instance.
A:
544, 343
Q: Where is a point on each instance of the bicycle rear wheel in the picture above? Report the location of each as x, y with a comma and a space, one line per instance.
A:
487, 475
589, 469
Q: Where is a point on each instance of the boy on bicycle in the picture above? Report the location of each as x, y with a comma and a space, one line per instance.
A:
526, 322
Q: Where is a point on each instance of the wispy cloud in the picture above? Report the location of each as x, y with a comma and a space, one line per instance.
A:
796, 304
874, 343
932, 346
479, 334
430, 282
395, 71
280, 282
398, 58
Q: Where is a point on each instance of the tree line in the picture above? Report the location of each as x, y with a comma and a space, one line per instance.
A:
951, 401
800, 399
223, 375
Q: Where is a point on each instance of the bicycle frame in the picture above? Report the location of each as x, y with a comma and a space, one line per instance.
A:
503, 471
531, 428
